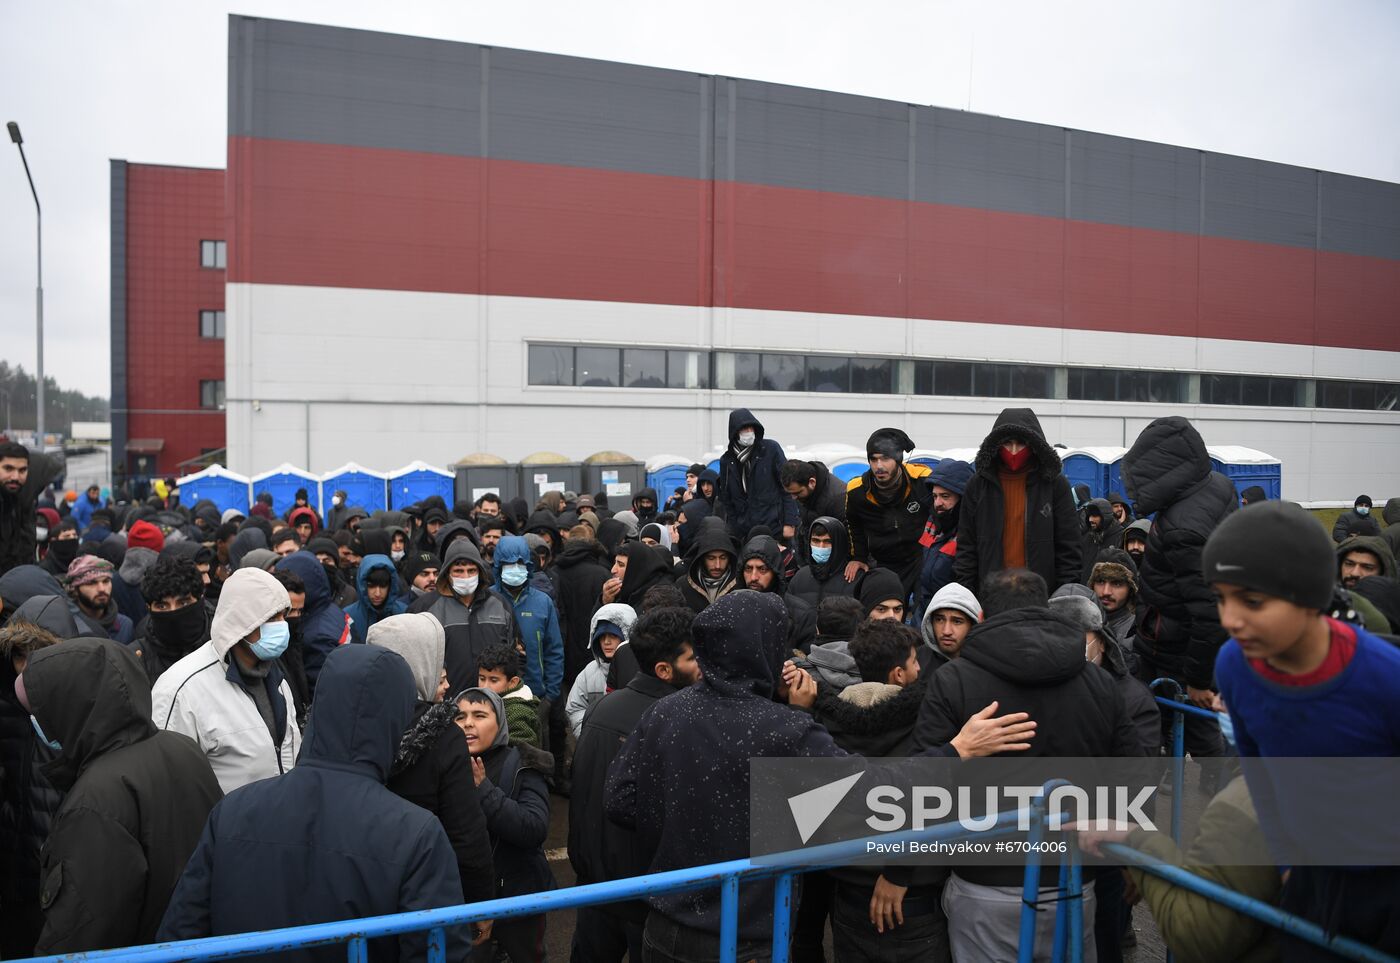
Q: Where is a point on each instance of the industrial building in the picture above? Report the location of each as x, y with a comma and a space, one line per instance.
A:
436, 248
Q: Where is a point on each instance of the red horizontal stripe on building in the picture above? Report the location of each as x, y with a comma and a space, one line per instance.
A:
325, 215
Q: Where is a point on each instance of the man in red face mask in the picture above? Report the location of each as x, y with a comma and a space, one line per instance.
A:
1017, 511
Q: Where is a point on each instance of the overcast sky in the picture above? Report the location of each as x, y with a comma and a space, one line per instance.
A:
1308, 82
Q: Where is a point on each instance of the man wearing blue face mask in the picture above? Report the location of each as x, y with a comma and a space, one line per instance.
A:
230, 695
543, 669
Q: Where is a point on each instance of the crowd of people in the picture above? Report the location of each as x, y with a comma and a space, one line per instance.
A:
214, 722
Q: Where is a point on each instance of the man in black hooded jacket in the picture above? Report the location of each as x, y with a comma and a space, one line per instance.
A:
887, 508
713, 571
1017, 511
342, 846
750, 490
761, 570
824, 575
818, 493
1168, 472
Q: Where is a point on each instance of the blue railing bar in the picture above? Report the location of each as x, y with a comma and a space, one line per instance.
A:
231, 946
1274, 917
1057, 941
437, 945
782, 918
357, 950
729, 919
1189, 709
1030, 881
1074, 896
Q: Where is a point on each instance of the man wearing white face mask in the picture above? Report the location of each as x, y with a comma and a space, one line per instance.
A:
472, 616
750, 490
230, 695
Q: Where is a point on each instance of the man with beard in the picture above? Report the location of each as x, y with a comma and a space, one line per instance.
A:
1362, 556
1101, 530
713, 571
761, 570
818, 493
887, 509
179, 617
89, 583
22, 478
947, 480
598, 849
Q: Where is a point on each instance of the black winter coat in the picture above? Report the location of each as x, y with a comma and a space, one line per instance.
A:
751, 492
828, 500
814, 582
515, 799
136, 798
1167, 471
1053, 532
598, 848
17, 541
433, 769
710, 539
802, 617
326, 841
889, 534
581, 569
1351, 522
1029, 660
28, 804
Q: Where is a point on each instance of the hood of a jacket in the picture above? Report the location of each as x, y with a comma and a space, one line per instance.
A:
647, 493
879, 585
307, 512
1390, 514
90, 695
738, 418
466, 551
420, 640
1374, 544
1143, 525
368, 564
1017, 423
502, 726
544, 520
54, 613
691, 514
365, 698
136, 563
831, 662
840, 547
1167, 461
711, 540
611, 534
623, 616
631, 524
448, 534
578, 551
1112, 529
309, 569
646, 566
951, 596
24, 582
1384, 594
249, 598
243, 543
740, 642
1028, 647
764, 547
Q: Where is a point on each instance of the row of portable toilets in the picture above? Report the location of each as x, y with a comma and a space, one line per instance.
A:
1100, 468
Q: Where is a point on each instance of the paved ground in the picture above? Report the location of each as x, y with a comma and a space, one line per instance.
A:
1150, 948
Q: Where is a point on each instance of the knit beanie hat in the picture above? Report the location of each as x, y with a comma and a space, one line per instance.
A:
952, 474
87, 569
1276, 548
892, 442
955, 596
415, 562
145, 535
1362, 500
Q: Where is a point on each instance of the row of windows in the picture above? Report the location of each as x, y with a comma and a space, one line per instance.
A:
606, 367
213, 254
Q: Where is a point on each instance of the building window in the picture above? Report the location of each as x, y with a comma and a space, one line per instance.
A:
211, 324
211, 394
1357, 395
212, 254
1108, 384
551, 364
643, 368
872, 376
688, 369
1255, 390
828, 374
784, 372
597, 367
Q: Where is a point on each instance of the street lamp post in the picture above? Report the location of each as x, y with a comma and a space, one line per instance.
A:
39, 293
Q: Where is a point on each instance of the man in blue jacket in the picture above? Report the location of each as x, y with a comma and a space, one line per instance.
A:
327, 841
512, 566
378, 586
751, 488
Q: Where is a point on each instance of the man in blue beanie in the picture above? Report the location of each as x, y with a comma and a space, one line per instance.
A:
947, 480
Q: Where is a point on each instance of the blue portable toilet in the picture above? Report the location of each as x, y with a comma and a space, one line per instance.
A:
283, 482
849, 469
1247, 467
363, 487
224, 488
1082, 467
666, 473
416, 481
927, 457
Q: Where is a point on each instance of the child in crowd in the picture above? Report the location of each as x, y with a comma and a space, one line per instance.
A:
610, 627
498, 669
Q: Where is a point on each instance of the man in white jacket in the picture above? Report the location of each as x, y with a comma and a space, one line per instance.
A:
229, 695
611, 627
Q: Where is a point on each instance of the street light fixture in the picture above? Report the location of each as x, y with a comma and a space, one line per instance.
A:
39, 291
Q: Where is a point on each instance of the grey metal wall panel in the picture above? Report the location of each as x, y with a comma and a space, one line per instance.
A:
589, 113
1360, 216
118, 313
1134, 183
1254, 200
353, 87
977, 161
818, 140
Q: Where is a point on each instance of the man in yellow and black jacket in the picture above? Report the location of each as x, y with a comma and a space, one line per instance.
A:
887, 508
